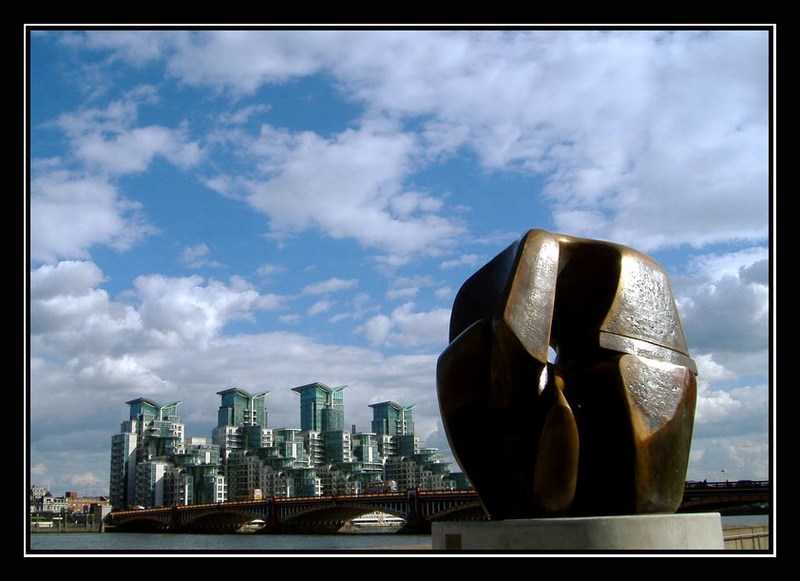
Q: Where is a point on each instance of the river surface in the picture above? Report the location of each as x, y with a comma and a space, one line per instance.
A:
230, 544
101, 544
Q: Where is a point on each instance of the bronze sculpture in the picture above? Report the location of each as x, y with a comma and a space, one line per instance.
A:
602, 428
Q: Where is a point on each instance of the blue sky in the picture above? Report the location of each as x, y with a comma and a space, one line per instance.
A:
268, 208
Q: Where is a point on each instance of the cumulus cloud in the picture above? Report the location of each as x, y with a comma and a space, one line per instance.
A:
329, 286
377, 329
444, 292
190, 309
401, 293
106, 140
70, 314
319, 307
267, 270
464, 260
71, 211
242, 61
404, 287
729, 458
132, 151
724, 302
346, 186
731, 411
132, 46
196, 256
75, 201
406, 328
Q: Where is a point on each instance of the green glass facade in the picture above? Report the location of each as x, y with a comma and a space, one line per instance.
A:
321, 407
391, 419
240, 408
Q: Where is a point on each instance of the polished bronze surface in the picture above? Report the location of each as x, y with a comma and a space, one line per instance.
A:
567, 388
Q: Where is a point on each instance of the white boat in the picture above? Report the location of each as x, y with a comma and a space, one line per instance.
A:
378, 519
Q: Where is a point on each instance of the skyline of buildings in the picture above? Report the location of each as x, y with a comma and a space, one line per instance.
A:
153, 462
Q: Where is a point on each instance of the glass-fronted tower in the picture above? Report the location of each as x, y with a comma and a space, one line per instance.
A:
238, 414
239, 408
321, 407
152, 433
392, 419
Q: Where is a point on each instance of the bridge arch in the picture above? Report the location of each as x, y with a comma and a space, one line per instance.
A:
226, 519
332, 516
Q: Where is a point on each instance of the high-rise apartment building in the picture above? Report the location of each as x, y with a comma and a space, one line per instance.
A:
241, 417
392, 419
239, 408
321, 407
142, 451
153, 464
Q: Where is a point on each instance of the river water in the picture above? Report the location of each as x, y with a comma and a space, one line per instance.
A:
230, 544
109, 544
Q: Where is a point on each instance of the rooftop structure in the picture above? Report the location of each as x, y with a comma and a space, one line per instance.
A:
321, 407
392, 419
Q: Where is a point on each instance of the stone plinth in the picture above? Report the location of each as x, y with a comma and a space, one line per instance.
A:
701, 531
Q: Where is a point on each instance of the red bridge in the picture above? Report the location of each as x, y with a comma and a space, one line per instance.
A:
419, 508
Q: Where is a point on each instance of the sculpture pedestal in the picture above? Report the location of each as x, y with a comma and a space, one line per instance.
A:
700, 531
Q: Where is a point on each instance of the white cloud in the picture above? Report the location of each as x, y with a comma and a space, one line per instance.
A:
267, 270
133, 151
444, 292
319, 307
243, 114
406, 328
329, 286
729, 458
71, 211
736, 411
134, 46
72, 318
404, 287
463, 260
244, 60
347, 186
195, 256
377, 329
724, 304
65, 278
107, 140
402, 293
188, 309
711, 370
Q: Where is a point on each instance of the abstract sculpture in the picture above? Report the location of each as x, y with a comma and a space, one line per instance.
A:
567, 388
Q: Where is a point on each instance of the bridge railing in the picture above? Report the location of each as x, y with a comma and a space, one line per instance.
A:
751, 484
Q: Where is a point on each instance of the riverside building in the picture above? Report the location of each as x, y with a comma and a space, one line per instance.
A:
154, 464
